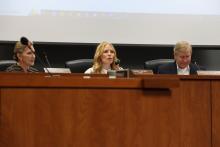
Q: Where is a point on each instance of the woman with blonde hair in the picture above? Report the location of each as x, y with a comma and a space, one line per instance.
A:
105, 59
24, 54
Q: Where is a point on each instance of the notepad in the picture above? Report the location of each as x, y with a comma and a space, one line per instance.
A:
208, 72
57, 70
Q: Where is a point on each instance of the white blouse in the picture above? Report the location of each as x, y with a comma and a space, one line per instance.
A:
90, 71
103, 71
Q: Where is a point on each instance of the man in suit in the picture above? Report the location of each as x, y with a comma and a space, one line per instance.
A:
182, 65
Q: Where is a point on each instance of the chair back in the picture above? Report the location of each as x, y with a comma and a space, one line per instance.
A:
154, 64
4, 64
80, 65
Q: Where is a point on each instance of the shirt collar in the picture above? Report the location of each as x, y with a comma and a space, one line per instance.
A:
183, 71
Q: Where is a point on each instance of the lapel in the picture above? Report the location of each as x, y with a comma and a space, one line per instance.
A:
174, 68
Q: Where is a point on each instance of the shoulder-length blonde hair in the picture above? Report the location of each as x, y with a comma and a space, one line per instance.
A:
97, 62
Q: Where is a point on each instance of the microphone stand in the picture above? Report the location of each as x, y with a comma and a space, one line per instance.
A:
46, 58
41, 62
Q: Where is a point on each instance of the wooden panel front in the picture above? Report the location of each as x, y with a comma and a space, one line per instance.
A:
216, 113
67, 111
67, 117
195, 113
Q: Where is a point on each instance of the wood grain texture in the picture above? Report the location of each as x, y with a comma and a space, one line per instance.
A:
125, 113
195, 113
216, 113
84, 118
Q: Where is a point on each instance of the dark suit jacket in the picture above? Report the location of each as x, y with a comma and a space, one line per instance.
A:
171, 68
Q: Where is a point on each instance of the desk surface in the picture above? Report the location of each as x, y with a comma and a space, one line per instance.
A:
81, 80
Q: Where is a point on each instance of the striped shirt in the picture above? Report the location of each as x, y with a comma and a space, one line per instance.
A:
17, 68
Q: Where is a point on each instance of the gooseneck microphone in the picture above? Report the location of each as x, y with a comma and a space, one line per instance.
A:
46, 59
117, 61
26, 42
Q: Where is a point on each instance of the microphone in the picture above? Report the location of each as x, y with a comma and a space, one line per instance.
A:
45, 56
25, 41
117, 61
197, 65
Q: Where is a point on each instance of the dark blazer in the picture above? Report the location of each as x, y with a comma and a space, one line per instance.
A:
171, 68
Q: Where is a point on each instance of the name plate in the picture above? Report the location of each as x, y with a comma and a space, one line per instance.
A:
57, 70
208, 72
141, 72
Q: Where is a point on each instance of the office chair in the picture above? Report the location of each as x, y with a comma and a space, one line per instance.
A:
80, 65
4, 64
154, 64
